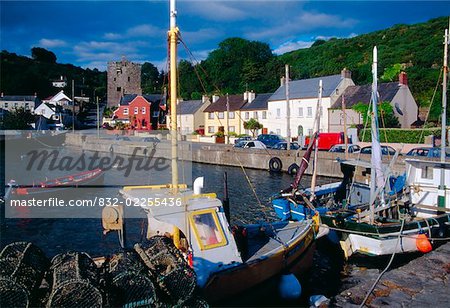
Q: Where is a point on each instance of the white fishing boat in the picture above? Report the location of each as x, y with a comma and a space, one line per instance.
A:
226, 260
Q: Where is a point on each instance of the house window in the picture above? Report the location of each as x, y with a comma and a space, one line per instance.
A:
231, 129
231, 115
136, 110
300, 112
119, 89
210, 129
125, 111
309, 112
6, 105
144, 110
278, 112
264, 114
220, 115
247, 115
255, 114
211, 115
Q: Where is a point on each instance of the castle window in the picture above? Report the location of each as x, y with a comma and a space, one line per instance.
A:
119, 89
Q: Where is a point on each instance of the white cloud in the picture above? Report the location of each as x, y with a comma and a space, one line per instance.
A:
218, 11
97, 51
112, 36
145, 30
302, 23
52, 43
290, 46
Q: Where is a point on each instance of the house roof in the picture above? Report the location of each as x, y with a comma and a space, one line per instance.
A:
235, 103
361, 94
259, 103
59, 97
307, 88
151, 98
189, 107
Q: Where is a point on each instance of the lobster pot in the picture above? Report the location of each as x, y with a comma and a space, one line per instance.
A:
22, 268
173, 276
75, 281
131, 285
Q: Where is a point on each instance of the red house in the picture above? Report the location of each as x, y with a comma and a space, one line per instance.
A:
141, 112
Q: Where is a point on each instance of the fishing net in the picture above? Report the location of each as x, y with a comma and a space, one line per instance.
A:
131, 285
22, 268
75, 281
170, 271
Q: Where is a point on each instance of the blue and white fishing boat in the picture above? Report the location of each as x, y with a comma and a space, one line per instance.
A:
371, 219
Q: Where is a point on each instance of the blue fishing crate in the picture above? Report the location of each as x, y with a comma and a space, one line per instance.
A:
282, 208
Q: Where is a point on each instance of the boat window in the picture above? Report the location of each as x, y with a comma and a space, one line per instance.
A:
427, 173
207, 229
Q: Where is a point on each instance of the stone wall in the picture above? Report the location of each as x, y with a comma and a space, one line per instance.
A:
124, 77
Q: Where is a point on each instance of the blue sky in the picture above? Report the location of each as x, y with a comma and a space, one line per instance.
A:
90, 33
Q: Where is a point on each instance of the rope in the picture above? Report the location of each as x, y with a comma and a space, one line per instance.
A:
387, 267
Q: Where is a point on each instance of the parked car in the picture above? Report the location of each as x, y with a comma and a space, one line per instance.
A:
254, 144
244, 138
340, 148
427, 152
270, 140
122, 138
283, 146
151, 139
327, 140
385, 150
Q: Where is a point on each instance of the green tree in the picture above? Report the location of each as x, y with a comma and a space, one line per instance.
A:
43, 55
386, 116
150, 80
17, 119
390, 73
253, 125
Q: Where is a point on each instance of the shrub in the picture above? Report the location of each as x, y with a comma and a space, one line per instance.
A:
400, 135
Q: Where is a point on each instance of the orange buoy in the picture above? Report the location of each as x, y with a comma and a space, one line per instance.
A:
423, 244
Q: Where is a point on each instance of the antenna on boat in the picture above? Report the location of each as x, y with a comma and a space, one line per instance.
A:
316, 142
173, 39
441, 188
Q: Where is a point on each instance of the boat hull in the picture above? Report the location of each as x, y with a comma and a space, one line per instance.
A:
253, 272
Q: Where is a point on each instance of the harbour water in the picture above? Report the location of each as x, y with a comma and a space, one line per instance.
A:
57, 235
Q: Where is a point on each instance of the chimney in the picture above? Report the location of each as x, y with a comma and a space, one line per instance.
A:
282, 81
403, 78
2, 94
215, 98
246, 96
345, 73
251, 96
205, 99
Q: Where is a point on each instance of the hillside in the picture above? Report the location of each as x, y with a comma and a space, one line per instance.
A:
21, 75
418, 48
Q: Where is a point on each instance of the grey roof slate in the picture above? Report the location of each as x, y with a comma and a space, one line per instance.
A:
361, 94
235, 101
307, 88
21, 98
259, 103
189, 107
127, 98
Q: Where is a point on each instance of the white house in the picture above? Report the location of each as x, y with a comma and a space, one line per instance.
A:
303, 96
190, 115
396, 93
11, 102
60, 83
256, 108
60, 99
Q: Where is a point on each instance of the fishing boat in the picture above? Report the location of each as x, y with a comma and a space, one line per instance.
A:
60, 184
227, 260
369, 217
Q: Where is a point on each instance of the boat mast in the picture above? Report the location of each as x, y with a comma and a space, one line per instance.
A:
441, 190
376, 173
173, 39
316, 143
288, 111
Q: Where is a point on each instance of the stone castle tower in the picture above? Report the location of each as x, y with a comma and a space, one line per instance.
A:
124, 77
